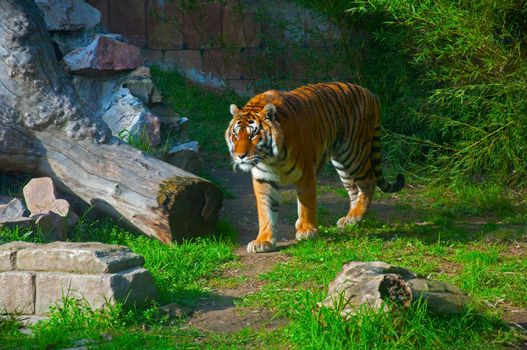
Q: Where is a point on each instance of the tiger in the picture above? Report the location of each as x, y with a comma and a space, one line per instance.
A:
285, 137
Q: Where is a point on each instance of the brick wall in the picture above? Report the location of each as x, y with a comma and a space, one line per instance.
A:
214, 42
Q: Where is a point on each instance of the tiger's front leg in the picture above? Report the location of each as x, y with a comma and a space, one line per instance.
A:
306, 225
267, 203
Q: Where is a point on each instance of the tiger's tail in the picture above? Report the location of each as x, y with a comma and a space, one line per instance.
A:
385, 186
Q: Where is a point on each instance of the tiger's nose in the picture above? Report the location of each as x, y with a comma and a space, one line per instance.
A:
241, 155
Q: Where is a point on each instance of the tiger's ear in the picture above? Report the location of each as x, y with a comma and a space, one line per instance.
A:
269, 111
234, 110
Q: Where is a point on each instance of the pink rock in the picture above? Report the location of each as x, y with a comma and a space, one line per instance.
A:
39, 194
40, 198
104, 54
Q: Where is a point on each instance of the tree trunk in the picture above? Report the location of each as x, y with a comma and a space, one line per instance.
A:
44, 130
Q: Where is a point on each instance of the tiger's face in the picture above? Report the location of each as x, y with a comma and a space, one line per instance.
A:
250, 136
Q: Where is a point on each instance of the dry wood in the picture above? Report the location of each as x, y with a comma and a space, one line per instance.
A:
44, 130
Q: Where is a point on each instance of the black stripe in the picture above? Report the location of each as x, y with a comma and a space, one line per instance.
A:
262, 170
269, 182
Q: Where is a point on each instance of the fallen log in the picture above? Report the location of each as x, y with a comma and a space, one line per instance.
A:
44, 130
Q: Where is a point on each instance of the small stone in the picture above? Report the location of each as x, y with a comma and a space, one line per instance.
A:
175, 311
25, 331
185, 156
153, 129
68, 15
103, 55
168, 116
10, 208
192, 145
140, 84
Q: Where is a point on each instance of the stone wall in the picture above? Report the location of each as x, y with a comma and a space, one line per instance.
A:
232, 42
34, 277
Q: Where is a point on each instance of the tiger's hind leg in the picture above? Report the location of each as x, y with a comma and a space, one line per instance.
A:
360, 193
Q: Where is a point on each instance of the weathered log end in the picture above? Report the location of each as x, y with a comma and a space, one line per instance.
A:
192, 206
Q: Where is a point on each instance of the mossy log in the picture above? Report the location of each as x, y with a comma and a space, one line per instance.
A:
44, 130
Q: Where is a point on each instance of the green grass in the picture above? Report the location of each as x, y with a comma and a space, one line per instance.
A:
483, 270
430, 238
180, 271
462, 235
208, 111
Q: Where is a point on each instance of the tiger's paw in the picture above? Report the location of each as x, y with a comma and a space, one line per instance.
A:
348, 220
260, 246
306, 234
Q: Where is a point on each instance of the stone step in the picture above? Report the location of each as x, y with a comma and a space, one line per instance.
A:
34, 277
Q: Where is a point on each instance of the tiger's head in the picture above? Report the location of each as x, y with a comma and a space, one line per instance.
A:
253, 135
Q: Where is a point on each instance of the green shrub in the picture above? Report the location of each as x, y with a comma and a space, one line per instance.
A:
452, 78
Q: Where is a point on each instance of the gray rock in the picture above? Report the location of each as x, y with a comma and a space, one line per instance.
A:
25, 331
112, 99
69, 41
8, 252
441, 298
128, 116
88, 258
192, 146
374, 283
103, 55
68, 15
10, 208
184, 158
139, 83
170, 117
133, 286
17, 294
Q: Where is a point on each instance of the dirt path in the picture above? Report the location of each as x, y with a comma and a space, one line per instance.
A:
220, 313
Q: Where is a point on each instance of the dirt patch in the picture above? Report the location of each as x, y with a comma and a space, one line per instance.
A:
219, 313
235, 319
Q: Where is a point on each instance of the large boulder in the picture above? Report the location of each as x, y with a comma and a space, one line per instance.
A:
380, 285
123, 101
103, 55
68, 15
